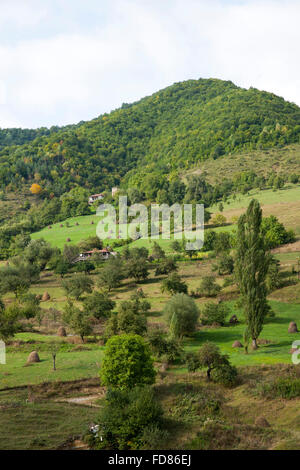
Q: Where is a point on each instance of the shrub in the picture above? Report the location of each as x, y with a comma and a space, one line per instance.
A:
168, 347
154, 437
128, 419
99, 304
78, 320
78, 285
157, 251
209, 356
174, 284
192, 362
214, 313
218, 219
130, 318
182, 313
112, 273
224, 265
208, 287
225, 374
196, 405
275, 233
127, 362
166, 266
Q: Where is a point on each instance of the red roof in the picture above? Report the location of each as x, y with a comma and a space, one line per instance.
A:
95, 251
95, 195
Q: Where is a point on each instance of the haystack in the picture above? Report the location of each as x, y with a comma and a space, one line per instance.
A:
237, 344
33, 357
293, 327
262, 422
61, 331
45, 297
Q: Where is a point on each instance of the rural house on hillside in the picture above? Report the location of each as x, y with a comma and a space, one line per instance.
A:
103, 254
95, 197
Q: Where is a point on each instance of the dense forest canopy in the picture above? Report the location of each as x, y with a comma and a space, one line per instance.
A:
16, 136
167, 132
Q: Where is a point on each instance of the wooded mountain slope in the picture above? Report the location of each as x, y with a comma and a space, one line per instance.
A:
174, 128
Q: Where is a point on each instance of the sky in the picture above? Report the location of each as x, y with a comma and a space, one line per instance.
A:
64, 61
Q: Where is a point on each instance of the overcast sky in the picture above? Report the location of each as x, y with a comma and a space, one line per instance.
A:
63, 61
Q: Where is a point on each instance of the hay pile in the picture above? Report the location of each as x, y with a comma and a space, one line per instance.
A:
45, 297
61, 331
33, 357
262, 422
293, 327
237, 344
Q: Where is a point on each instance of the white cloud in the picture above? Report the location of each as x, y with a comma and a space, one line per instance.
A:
139, 47
21, 13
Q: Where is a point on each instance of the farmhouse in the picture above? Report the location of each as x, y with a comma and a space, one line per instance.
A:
103, 254
95, 197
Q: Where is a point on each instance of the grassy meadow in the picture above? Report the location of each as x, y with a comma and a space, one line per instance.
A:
76, 361
45, 409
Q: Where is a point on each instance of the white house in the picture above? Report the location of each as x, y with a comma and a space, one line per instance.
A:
95, 197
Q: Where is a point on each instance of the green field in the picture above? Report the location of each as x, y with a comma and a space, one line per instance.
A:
58, 235
290, 193
78, 362
71, 364
75, 364
283, 203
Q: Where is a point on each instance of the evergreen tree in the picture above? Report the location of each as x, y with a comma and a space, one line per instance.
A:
251, 268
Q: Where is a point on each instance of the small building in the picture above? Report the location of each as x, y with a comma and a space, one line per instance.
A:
114, 191
95, 197
103, 254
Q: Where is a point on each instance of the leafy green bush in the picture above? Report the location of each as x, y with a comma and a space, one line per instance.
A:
127, 362
225, 374
214, 313
170, 348
129, 419
275, 233
208, 287
182, 313
174, 285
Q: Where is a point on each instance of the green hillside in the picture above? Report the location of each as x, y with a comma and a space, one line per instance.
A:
173, 129
284, 161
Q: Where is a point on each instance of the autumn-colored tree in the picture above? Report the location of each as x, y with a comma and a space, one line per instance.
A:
35, 188
219, 219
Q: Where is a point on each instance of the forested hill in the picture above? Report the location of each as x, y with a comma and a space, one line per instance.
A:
174, 128
17, 136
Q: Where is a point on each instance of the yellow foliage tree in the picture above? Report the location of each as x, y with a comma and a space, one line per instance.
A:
35, 188
219, 219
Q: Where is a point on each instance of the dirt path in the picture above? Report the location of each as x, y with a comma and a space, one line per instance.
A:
88, 400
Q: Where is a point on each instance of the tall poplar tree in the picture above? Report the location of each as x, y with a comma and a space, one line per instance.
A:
251, 267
